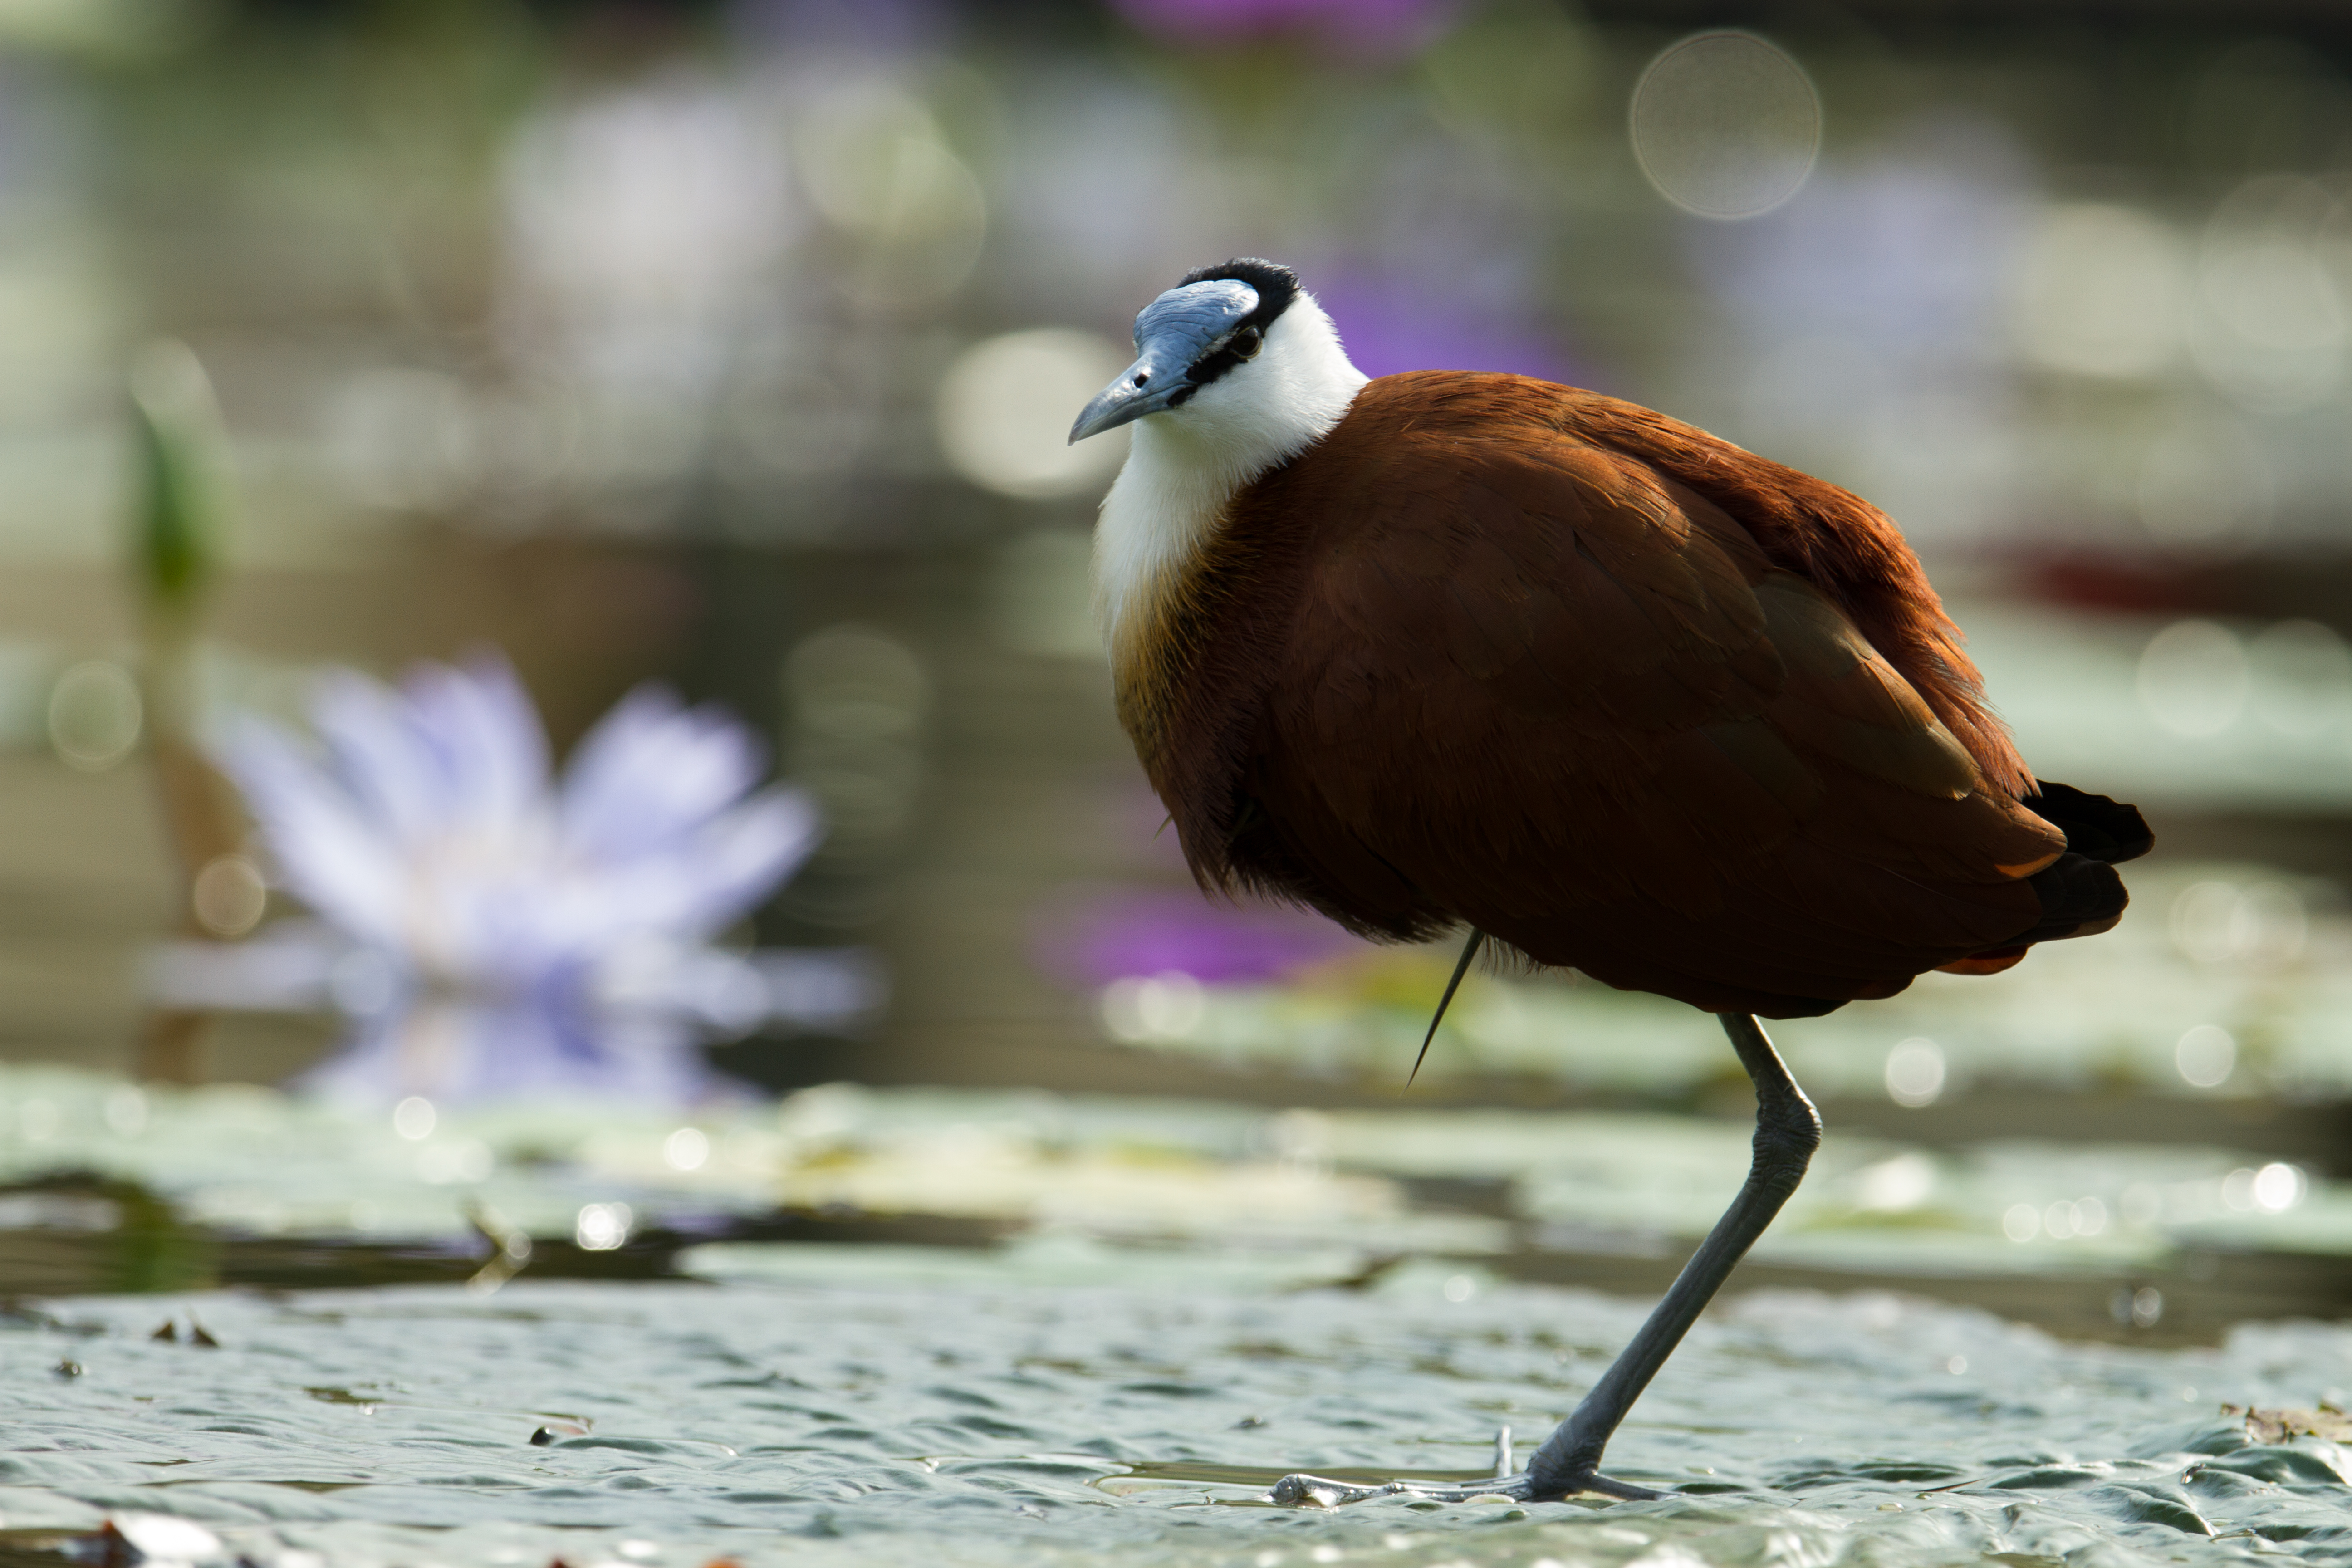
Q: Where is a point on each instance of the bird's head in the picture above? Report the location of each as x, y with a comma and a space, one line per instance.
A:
1240, 343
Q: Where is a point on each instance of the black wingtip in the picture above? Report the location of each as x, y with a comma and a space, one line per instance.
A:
2081, 896
1462, 967
2096, 827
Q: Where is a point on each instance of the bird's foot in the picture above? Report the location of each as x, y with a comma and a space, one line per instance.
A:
1320, 1491
1302, 1490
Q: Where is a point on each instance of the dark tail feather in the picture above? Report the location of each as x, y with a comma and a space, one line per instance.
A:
2081, 894
2080, 897
2095, 827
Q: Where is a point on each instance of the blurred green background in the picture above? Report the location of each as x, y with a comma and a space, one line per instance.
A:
734, 345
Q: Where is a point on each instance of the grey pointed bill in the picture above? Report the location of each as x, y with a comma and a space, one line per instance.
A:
1172, 334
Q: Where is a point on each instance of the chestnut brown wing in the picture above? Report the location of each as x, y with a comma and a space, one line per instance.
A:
1534, 685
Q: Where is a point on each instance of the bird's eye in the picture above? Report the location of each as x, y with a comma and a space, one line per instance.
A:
1246, 343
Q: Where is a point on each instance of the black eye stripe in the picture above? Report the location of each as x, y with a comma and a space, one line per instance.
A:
1210, 366
1226, 356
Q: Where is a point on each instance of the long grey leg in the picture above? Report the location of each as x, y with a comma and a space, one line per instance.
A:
1788, 1130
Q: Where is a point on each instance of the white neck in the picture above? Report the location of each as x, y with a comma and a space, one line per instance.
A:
1187, 464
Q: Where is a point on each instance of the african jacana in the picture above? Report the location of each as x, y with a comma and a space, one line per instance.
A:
1448, 649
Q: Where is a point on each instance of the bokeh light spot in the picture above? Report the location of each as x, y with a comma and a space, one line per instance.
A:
876, 166
2272, 327
1005, 411
1914, 1072
1894, 1186
228, 896
1166, 1006
2206, 1056
414, 1118
95, 715
2262, 927
601, 1228
1725, 125
2278, 1188
686, 1148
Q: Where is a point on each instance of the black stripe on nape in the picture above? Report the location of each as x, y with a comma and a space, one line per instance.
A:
1276, 287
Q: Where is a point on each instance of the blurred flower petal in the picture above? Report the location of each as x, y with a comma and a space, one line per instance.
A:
450, 1053
650, 769
570, 925
332, 856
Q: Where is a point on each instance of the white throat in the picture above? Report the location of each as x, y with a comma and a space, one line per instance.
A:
1187, 464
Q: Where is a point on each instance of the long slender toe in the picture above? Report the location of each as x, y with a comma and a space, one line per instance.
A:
1301, 1490
1542, 1489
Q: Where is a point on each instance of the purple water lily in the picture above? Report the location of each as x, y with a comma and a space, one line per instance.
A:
1094, 937
496, 928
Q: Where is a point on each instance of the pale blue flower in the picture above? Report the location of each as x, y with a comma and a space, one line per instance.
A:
560, 931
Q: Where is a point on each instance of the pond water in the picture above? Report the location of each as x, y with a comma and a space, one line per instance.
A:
841, 1420
944, 1327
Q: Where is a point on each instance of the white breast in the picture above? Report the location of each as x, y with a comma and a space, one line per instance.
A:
1187, 464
